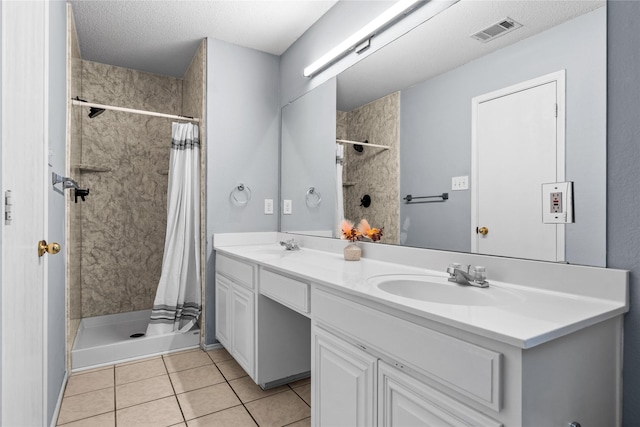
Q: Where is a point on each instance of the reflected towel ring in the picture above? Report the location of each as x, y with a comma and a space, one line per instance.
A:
240, 195
313, 197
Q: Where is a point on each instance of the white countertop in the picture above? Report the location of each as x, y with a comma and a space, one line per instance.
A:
534, 317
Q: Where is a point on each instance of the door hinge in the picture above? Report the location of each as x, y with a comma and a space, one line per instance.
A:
556, 110
8, 207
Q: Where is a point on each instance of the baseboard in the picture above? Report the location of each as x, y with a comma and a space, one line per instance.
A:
56, 412
209, 347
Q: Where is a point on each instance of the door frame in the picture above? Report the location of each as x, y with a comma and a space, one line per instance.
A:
560, 78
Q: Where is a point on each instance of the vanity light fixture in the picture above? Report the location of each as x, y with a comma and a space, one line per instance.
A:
364, 34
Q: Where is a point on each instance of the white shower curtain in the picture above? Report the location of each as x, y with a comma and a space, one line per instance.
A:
178, 301
339, 189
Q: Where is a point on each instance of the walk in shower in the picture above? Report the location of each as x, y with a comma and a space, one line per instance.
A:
116, 238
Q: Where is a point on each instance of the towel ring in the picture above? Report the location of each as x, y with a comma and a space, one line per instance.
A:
240, 195
313, 197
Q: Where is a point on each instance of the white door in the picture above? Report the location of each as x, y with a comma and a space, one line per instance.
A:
518, 144
344, 383
24, 166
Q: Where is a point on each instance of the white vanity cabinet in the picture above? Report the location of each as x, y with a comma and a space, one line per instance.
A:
262, 320
548, 359
344, 384
425, 375
235, 310
405, 401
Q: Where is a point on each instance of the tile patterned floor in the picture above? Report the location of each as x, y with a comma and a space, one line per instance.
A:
189, 389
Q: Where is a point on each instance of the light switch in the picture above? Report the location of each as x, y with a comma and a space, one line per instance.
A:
287, 207
557, 203
459, 183
268, 206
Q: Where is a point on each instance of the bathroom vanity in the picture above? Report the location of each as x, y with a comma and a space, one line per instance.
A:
392, 343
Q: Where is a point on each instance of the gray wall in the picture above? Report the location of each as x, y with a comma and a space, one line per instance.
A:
308, 159
436, 135
56, 311
623, 186
243, 122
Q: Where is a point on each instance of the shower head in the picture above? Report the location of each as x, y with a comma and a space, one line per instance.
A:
93, 112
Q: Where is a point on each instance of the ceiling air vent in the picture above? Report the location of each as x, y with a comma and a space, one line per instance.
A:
498, 29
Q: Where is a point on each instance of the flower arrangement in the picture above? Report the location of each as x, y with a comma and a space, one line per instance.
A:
362, 231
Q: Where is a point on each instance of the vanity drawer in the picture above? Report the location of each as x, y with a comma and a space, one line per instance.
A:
236, 270
466, 368
285, 290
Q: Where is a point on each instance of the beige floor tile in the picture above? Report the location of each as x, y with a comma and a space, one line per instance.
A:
231, 370
131, 394
195, 378
140, 371
300, 383
90, 381
304, 392
302, 423
191, 359
232, 417
279, 410
204, 401
158, 413
248, 391
219, 355
104, 420
180, 425
86, 405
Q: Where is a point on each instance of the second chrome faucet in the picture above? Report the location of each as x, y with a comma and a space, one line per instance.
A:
467, 275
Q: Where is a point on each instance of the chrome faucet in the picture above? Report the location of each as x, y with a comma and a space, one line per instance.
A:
290, 245
473, 276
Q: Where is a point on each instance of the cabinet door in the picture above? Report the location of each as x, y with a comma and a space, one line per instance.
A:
223, 299
242, 329
344, 383
404, 401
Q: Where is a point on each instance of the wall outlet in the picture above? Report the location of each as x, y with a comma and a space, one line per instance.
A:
557, 203
287, 207
268, 206
459, 183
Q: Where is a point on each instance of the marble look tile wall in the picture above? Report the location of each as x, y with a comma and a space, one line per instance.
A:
124, 217
74, 212
194, 84
374, 172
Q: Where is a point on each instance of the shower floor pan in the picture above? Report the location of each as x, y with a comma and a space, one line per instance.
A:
105, 340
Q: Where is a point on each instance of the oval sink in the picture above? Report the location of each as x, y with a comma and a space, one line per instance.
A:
439, 290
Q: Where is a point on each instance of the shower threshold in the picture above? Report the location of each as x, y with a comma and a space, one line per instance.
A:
105, 340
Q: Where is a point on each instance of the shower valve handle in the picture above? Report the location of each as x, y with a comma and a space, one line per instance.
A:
79, 192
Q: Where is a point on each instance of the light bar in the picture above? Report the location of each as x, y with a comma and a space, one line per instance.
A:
359, 36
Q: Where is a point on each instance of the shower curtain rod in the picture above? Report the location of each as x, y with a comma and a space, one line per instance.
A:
364, 144
131, 110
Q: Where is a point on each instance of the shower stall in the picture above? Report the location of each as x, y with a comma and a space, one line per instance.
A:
116, 237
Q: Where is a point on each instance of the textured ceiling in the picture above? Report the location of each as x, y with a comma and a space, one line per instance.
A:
162, 36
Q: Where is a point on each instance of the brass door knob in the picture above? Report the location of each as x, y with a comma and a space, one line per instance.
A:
482, 230
52, 248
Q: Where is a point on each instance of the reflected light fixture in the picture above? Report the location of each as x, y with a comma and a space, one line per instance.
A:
364, 34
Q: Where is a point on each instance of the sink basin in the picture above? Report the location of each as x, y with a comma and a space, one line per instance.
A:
437, 289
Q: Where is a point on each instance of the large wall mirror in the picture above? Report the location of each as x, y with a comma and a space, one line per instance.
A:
485, 121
